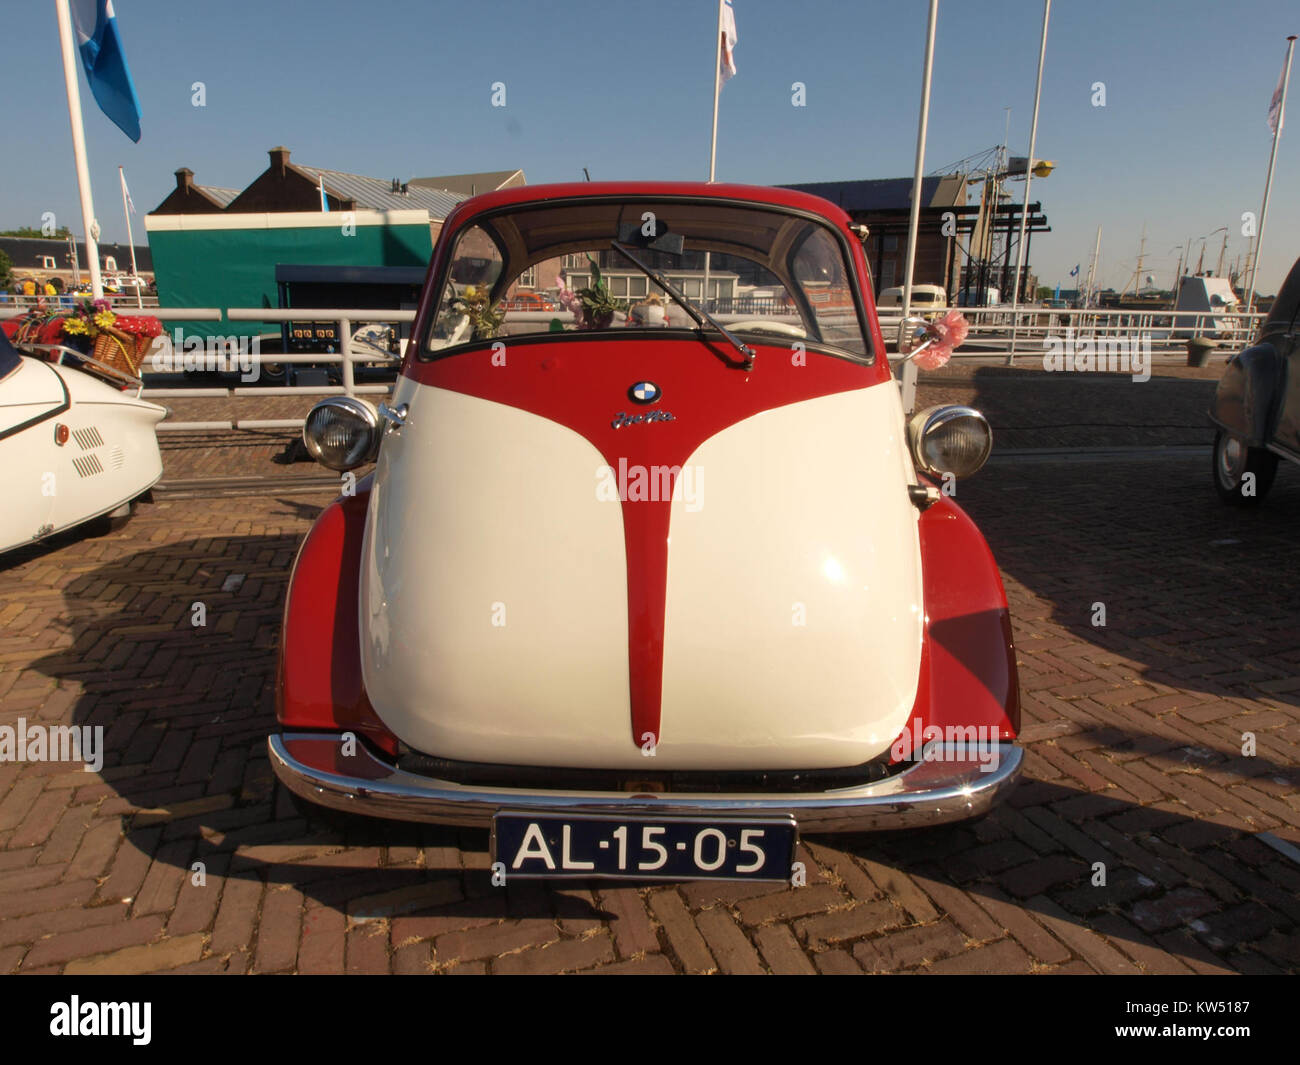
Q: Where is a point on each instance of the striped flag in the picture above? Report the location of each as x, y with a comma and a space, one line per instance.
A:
100, 45
727, 64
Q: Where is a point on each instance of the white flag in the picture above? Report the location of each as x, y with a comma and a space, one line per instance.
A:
1275, 105
727, 64
126, 192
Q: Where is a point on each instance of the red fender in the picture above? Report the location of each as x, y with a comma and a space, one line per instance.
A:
318, 683
968, 660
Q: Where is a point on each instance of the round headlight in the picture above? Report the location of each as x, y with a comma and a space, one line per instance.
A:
341, 432
955, 440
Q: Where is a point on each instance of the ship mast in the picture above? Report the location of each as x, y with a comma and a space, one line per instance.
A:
1137, 272
1092, 270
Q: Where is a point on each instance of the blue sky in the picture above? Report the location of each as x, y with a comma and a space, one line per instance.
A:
401, 88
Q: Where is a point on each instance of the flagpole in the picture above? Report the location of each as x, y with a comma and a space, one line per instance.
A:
713, 140
1017, 281
130, 241
79, 147
717, 90
1268, 183
914, 223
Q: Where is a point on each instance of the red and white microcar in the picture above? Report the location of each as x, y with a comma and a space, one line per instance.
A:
648, 595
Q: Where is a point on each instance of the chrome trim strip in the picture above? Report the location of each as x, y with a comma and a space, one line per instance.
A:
948, 786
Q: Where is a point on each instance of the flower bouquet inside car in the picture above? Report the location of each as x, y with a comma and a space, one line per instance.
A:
592, 306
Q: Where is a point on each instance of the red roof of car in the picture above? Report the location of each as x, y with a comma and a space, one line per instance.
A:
766, 194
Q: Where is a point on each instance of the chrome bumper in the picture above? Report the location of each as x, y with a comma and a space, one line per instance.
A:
949, 786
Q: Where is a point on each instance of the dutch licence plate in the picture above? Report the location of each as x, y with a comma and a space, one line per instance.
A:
662, 848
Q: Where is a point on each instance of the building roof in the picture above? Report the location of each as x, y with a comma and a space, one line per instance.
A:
25, 253
472, 184
377, 195
221, 197
885, 194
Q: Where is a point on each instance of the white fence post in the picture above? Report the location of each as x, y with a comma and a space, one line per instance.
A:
345, 349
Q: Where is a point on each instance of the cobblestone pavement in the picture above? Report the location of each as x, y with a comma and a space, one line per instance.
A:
1134, 733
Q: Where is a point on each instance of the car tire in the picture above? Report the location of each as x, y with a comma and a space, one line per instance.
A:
107, 524
1232, 460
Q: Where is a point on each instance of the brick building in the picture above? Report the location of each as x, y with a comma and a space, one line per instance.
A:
44, 259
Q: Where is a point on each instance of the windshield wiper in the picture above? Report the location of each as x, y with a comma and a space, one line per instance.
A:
699, 314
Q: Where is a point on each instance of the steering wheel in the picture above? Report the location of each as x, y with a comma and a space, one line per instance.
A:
761, 325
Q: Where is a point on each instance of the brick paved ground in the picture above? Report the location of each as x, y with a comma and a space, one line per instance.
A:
1134, 734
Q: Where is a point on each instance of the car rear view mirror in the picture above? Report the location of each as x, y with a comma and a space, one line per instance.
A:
659, 239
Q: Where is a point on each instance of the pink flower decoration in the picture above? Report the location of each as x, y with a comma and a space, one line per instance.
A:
948, 332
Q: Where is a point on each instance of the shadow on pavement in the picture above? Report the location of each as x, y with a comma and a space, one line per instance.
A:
186, 710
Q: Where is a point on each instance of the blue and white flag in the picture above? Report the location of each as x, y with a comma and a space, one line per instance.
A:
101, 51
1075, 271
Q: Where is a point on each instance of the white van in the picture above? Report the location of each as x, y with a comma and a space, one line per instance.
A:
924, 298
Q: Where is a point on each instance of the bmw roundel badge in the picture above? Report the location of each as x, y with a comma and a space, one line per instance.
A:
644, 392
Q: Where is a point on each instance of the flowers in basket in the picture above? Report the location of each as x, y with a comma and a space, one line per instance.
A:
119, 341
89, 318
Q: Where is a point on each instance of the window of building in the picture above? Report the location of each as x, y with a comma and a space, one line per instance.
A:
47, 262
891, 244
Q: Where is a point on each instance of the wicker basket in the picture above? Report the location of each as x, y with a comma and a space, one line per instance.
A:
121, 351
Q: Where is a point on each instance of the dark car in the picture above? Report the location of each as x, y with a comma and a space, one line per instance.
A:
1256, 407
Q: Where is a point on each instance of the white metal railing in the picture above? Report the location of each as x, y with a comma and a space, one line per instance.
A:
1000, 330
993, 331
347, 358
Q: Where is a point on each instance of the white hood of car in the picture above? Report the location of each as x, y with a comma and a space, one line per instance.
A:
494, 590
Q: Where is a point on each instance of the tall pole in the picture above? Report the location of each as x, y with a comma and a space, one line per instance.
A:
717, 90
713, 140
130, 242
1092, 269
1268, 184
1029, 176
76, 263
1218, 270
914, 223
79, 147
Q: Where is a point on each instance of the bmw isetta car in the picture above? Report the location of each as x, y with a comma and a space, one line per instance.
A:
73, 448
648, 595
1256, 410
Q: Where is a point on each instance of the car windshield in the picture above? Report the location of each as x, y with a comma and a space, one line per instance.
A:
763, 273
